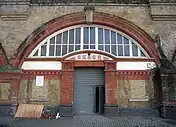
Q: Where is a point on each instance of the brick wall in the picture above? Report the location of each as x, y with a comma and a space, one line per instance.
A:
13, 33
134, 91
48, 94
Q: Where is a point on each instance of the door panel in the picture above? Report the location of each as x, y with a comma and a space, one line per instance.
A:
85, 80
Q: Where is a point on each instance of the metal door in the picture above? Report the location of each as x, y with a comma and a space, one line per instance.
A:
85, 80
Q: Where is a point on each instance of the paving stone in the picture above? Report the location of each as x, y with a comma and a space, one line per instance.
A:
91, 121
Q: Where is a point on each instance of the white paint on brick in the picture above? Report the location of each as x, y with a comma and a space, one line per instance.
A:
41, 65
135, 65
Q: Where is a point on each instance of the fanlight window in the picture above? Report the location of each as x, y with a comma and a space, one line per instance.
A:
78, 38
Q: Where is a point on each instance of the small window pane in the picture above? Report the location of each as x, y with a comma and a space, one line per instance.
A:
107, 48
142, 54
77, 47
113, 49
78, 36
85, 46
43, 50
113, 37
100, 47
126, 41
134, 49
71, 36
120, 50
64, 49
58, 50
71, 48
119, 39
92, 35
51, 50
92, 46
36, 53
65, 37
52, 40
58, 39
86, 35
107, 39
100, 36
126, 50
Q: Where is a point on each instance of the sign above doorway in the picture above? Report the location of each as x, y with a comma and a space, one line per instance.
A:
88, 56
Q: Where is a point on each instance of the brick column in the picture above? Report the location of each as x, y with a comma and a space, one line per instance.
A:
14, 90
110, 82
111, 108
67, 83
165, 88
66, 89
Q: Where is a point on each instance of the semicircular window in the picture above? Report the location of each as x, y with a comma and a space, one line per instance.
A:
94, 37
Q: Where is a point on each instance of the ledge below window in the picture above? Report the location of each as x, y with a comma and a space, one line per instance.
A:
39, 99
139, 99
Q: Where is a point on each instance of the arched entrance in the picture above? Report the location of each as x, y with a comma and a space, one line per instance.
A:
91, 61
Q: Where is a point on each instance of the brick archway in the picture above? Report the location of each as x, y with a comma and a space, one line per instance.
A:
80, 18
3, 57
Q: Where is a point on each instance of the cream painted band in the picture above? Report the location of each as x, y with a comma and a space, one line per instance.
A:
135, 65
42, 65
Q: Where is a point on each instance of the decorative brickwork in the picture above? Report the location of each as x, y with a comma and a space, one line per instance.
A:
79, 18
110, 82
67, 83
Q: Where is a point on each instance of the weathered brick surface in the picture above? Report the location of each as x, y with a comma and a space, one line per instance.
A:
49, 94
5, 91
23, 91
13, 33
132, 89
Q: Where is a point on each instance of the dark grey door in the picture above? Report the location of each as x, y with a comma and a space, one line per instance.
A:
85, 81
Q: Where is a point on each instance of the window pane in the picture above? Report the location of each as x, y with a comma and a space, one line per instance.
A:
100, 47
77, 47
85, 46
120, 50
86, 35
142, 54
100, 36
92, 46
126, 50
113, 37
126, 41
107, 48
92, 35
58, 39
107, 39
71, 48
71, 36
64, 49
134, 49
51, 50
58, 50
113, 49
36, 53
43, 50
65, 37
52, 40
119, 39
78, 36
